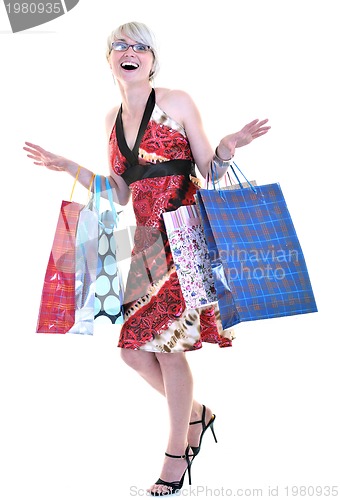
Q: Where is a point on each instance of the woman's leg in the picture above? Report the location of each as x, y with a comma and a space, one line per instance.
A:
178, 386
147, 365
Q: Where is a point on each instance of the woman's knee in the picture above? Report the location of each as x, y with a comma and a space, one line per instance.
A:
136, 359
128, 356
172, 359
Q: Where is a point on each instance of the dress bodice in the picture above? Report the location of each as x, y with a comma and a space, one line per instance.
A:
158, 169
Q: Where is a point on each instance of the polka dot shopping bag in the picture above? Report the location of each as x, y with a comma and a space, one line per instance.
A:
108, 295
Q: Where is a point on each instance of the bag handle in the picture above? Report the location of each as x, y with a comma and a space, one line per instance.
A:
97, 191
238, 180
75, 182
235, 174
217, 180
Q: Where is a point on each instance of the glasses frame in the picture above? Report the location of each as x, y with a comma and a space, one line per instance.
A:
133, 45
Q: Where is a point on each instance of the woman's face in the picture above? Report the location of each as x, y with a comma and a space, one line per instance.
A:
129, 65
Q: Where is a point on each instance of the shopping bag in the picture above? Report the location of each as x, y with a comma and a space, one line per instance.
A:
259, 268
86, 255
57, 305
191, 257
67, 301
108, 290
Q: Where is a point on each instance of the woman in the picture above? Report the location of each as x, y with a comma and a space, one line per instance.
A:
155, 139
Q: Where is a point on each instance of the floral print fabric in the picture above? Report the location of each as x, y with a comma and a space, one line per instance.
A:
191, 256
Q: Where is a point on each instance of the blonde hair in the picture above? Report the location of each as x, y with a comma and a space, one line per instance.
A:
139, 32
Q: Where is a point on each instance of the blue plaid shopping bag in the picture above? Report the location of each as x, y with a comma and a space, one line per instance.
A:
259, 267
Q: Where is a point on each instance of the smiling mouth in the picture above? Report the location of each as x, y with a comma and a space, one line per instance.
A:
129, 66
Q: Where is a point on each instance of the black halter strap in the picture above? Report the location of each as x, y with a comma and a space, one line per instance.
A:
135, 171
132, 155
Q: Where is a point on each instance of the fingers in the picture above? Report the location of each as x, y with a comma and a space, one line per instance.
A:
262, 129
40, 155
252, 123
258, 129
260, 132
36, 152
36, 147
33, 151
256, 124
34, 157
262, 122
47, 165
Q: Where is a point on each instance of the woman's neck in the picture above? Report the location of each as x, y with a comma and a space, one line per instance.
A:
134, 97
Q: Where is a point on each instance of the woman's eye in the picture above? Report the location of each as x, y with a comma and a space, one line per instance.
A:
120, 45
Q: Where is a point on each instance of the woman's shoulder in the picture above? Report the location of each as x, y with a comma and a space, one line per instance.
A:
171, 96
174, 102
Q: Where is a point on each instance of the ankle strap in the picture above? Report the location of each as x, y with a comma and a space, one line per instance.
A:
175, 456
202, 419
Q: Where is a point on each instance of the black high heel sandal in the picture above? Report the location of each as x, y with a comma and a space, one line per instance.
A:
175, 485
196, 449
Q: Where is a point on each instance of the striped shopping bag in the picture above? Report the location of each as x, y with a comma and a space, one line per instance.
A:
260, 269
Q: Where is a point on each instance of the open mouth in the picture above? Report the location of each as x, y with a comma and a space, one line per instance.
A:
129, 65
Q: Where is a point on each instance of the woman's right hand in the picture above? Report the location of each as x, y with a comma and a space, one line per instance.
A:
48, 159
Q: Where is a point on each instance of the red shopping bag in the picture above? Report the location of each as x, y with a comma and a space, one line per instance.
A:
57, 305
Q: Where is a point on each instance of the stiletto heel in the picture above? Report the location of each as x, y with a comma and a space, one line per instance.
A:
196, 449
212, 429
175, 485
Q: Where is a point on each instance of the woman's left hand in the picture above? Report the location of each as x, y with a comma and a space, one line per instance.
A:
245, 136
250, 132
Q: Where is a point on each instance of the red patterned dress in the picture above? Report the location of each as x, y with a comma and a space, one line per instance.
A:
159, 171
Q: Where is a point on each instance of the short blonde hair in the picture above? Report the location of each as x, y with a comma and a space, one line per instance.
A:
139, 32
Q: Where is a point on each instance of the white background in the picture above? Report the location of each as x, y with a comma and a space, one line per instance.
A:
76, 423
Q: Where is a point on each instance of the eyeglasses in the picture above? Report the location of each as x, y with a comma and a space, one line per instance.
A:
123, 47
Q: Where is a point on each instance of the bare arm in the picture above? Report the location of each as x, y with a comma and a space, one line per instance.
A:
42, 157
45, 158
183, 109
